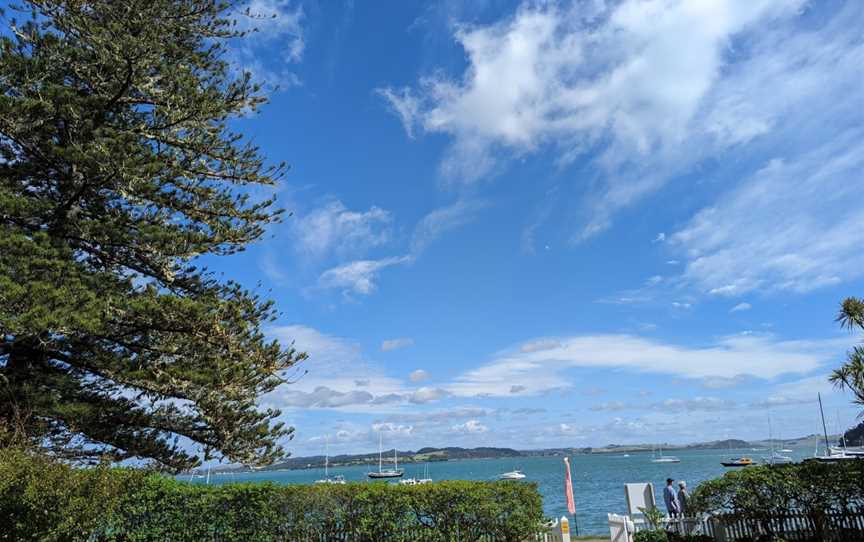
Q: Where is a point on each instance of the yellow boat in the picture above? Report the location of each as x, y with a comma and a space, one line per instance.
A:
738, 462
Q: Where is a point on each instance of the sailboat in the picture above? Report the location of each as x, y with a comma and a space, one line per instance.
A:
665, 458
831, 455
338, 479
776, 458
417, 481
395, 472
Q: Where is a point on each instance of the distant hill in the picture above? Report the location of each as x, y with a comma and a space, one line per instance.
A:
423, 455
452, 453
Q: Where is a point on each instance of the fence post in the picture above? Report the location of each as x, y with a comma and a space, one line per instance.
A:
565, 529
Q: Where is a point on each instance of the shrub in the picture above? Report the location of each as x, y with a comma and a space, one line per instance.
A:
816, 490
650, 535
44, 500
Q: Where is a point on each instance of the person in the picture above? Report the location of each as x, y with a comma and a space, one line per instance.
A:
683, 497
671, 499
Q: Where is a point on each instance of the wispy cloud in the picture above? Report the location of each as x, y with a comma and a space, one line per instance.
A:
794, 226
272, 24
761, 356
418, 375
359, 276
442, 220
396, 344
334, 229
628, 81
471, 426
695, 404
741, 307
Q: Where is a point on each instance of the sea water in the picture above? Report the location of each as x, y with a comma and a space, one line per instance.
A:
598, 479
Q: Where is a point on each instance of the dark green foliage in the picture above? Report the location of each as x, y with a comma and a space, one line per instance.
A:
42, 500
675, 537
855, 436
650, 535
813, 489
850, 376
117, 172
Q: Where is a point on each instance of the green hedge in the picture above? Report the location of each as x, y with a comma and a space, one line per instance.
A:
819, 491
45, 500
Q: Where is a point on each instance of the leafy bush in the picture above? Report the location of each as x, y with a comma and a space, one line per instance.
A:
811, 488
650, 535
43, 500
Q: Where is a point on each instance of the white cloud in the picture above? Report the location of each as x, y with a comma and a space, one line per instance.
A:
358, 276
471, 427
395, 344
794, 226
393, 429
741, 307
628, 79
442, 220
418, 376
334, 371
270, 23
761, 356
333, 228
404, 104
695, 404
324, 397
427, 395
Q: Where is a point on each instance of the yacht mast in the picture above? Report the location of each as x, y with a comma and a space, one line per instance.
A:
824, 427
380, 443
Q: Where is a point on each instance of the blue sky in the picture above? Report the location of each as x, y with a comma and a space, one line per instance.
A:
538, 224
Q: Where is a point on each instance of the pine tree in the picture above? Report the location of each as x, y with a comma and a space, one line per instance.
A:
118, 173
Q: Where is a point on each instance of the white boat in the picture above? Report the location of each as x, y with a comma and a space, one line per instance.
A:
395, 472
857, 451
417, 481
832, 455
512, 475
338, 479
776, 458
665, 458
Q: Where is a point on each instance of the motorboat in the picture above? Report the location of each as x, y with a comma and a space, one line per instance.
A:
512, 475
738, 462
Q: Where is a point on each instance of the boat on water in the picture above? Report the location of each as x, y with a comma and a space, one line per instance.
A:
665, 458
832, 455
776, 458
739, 462
417, 481
338, 479
512, 475
395, 472
857, 451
